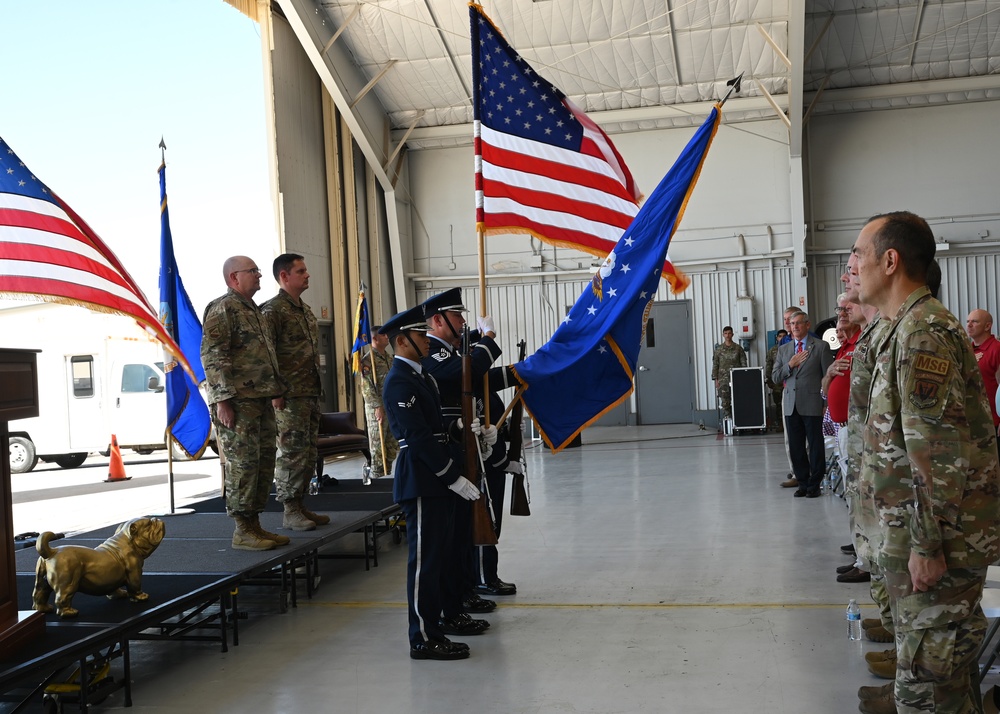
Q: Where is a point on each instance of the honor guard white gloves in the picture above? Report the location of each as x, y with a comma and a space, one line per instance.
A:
515, 467
485, 325
465, 488
488, 434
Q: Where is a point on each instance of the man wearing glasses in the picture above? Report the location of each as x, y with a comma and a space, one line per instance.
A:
242, 376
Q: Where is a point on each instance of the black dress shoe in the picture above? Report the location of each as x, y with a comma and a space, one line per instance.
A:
854, 576
455, 645
497, 587
437, 650
463, 627
800, 493
845, 569
812, 494
477, 604
848, 549
465, 618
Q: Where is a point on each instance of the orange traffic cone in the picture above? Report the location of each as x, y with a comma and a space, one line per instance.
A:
116, 469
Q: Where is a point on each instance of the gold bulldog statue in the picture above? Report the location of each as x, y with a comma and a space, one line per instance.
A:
114, 568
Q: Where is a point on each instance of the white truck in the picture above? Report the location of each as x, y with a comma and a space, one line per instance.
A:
98, 375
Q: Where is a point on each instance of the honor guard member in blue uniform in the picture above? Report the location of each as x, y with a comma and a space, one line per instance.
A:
444, 313
487, 557
427, 483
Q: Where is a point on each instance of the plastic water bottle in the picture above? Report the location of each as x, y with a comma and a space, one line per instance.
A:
853, 620
313, 486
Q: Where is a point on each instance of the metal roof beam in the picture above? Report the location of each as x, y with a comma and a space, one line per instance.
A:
916, 29
673, 43
904, 90
372, 82
695, 110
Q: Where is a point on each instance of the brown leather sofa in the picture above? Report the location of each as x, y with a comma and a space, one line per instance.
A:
339, 435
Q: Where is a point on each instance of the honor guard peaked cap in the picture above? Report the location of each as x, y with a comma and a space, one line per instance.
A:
448, 301
412, 319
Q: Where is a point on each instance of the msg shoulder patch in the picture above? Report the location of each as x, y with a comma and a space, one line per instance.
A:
927, 379
931, 364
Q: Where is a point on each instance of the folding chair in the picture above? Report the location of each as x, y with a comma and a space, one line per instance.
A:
834, 479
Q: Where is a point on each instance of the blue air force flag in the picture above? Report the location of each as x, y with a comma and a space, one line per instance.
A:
586, 367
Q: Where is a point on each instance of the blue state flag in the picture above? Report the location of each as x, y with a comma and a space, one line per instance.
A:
586, 368
188, 419
362, 331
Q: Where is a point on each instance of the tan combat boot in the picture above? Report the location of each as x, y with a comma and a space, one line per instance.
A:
259, 530
881, 656
295, 518
876, 692
886, 704
314, 517
879, 634
246, 537
870, 622
886, 669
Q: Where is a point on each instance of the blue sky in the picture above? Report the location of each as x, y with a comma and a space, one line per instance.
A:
86, 91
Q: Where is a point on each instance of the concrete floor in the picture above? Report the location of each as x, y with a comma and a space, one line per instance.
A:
667, 573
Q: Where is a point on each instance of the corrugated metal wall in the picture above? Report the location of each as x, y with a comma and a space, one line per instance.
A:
970, 282
533, 309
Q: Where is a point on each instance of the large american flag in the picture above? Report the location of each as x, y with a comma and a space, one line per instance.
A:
48, 253
543, 167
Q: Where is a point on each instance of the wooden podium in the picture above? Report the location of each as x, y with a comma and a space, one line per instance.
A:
18, 400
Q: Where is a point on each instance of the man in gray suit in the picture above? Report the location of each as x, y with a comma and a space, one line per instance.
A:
800, 364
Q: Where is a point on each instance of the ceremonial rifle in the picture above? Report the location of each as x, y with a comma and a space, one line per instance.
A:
519, 494
483, 532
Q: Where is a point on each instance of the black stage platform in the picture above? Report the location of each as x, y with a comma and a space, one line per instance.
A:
192, 580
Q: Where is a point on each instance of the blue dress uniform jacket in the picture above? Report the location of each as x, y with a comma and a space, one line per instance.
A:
425, 466
445, 363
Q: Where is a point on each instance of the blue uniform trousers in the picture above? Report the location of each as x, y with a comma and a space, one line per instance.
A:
486, 555
459, 578
429, 529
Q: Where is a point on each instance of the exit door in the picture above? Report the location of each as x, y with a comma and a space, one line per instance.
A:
664, 382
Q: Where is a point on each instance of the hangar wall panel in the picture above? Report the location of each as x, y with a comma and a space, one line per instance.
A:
298, 107
939, 162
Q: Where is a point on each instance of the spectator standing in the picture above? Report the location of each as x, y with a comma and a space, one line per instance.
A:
986, 347
800, 364
837, 387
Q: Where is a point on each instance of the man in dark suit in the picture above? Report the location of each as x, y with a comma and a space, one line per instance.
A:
800, 364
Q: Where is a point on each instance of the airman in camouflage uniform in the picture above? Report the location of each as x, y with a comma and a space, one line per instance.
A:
242, 377
379, 436
728, 355
296, 344
774, 411
928, 473
862, 366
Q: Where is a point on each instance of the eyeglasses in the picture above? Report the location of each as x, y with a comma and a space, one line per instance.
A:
840, 309
252, 271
